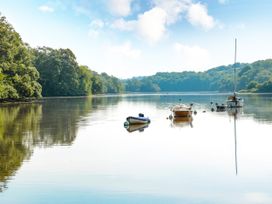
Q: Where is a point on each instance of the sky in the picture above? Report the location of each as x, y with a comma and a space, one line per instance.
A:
128, 38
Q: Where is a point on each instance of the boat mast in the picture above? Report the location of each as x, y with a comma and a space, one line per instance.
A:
234, 70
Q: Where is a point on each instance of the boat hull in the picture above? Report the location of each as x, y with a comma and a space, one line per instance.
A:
235, 103
138, 120
181, 113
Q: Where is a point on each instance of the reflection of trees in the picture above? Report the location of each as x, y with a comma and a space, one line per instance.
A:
59, 119
24, 126
16, 122
259, 106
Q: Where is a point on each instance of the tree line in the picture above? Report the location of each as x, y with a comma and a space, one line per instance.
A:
27, 72
254, 77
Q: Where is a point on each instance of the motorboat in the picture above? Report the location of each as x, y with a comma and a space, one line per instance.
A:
181, 110
220, 108
140, 119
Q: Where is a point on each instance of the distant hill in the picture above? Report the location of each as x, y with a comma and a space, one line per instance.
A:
255, 77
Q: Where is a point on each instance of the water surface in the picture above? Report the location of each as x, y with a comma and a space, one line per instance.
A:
76, 150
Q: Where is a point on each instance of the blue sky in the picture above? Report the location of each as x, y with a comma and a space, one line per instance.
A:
128, 38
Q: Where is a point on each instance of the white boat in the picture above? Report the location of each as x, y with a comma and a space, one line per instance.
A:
138, 120
234, 101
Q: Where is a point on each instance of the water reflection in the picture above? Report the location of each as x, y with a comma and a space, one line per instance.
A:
182, 122
234, 113
16, 122
136, 127
24, 126
198, 165
257, 106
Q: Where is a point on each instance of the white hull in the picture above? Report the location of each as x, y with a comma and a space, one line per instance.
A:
138, 120
235, 102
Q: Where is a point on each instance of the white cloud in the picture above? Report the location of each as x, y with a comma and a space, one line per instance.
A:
173, 8
192, 57
124, 50
152, 24
198, 16
120, 7
121, 24
46, 9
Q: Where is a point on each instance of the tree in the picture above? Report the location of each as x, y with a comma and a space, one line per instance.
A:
85, 80
18, 76
58, 71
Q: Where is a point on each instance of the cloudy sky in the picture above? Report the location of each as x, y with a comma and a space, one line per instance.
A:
128, 38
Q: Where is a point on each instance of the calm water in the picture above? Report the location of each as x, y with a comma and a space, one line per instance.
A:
77, 150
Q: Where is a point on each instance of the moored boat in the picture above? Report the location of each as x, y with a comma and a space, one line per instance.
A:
181, 111
138, 120
235, 102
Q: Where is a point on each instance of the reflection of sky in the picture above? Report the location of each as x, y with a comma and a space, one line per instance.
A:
106, 164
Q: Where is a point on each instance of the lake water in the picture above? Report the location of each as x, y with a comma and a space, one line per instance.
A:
76, 150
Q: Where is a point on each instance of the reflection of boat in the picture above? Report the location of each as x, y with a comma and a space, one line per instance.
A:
181, 111
135, 127
234, 101
138, 120
182, 121
233, 112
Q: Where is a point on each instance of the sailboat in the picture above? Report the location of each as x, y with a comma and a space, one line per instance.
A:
234, 101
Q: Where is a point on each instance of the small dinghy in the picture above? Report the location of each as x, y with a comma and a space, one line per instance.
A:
141, 119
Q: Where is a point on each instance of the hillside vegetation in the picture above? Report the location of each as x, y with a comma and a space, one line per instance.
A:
255, 77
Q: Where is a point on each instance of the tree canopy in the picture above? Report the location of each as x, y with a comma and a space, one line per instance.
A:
18, 76
255, 77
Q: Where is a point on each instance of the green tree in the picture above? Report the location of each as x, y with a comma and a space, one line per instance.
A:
18, 76
85, 80
58, 71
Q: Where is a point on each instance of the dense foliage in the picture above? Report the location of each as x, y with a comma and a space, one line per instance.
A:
18, 77
255, 77
60, 75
